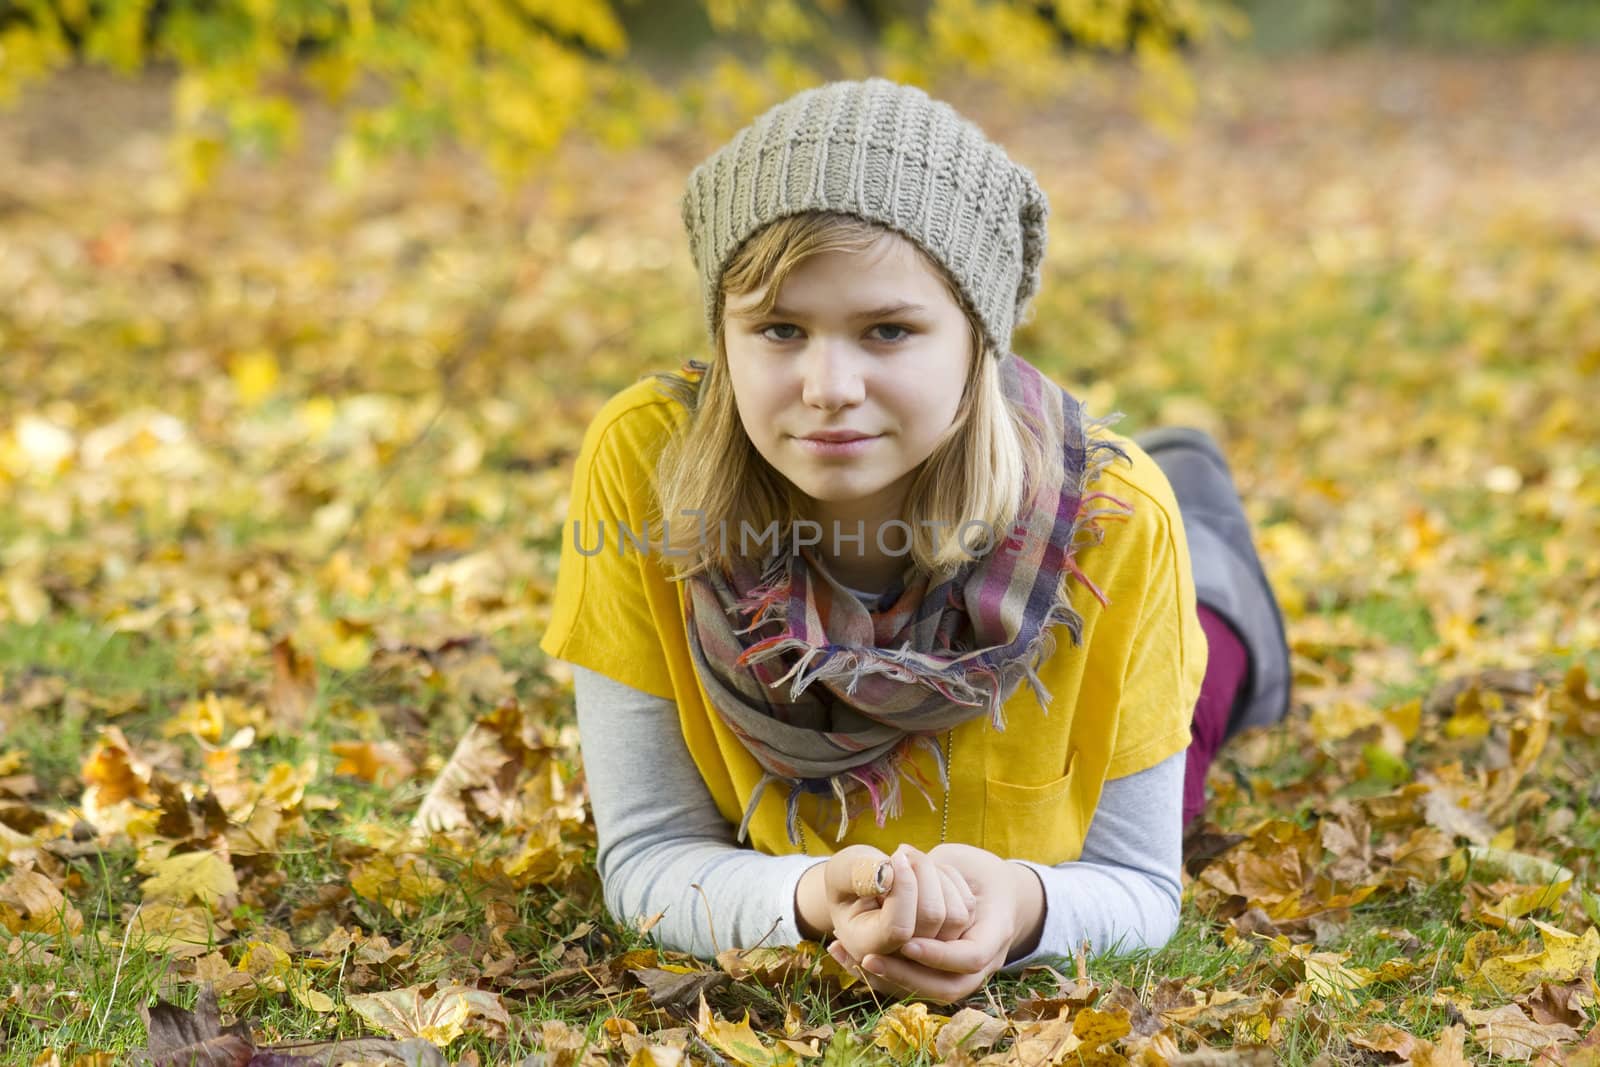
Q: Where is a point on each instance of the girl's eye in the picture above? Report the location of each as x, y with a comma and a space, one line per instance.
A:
903, 332
766, 331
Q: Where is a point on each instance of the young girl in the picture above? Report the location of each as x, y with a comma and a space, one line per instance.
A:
803, 585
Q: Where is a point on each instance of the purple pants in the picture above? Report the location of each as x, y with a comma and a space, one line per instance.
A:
1226, 665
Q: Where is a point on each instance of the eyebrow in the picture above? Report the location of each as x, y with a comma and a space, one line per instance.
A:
885, 312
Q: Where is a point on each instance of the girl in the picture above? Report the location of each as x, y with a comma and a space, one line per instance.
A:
811, 576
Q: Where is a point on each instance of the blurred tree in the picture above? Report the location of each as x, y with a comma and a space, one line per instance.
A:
1283, 25
511, 79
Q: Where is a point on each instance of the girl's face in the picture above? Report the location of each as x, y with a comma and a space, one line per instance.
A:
868, 343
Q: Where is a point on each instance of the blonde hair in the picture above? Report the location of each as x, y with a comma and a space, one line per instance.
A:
977, 471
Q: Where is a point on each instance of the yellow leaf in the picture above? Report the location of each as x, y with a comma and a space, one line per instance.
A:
201, 718
381, 762
1095, 1028
1563, 957
175, 931
398, 884
738, 1041
1327, 976
440, 1018
908, 1030
307, 997
203, 877
266, 964
348, 653
255, 376
1406, 718
27, 601
656, 1056
30, 901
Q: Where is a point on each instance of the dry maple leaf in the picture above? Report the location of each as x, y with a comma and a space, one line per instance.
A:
475, 764
738, 1041
181, 1038
970, 1030
1449, 1051
204, 877
1508, 1033
30, 901
382, 763
294, 686
439, 1017
677, 992
908, 1030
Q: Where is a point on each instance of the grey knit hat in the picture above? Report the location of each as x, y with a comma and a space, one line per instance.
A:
891, 154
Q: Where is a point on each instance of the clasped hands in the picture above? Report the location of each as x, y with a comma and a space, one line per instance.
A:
951, 918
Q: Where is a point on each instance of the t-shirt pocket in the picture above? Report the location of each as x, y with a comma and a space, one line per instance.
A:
1032, 822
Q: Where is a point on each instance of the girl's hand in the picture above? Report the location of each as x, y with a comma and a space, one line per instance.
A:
1010, 909
926, 899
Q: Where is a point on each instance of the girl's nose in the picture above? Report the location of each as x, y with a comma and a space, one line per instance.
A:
833, 377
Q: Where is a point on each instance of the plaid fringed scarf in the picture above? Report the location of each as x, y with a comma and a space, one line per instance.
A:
891, 679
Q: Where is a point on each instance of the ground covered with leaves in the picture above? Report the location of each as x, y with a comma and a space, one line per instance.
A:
284, 778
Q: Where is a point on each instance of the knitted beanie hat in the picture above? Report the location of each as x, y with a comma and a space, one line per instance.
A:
891, 154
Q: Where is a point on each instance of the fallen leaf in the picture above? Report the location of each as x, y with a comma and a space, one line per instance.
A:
969, 1029
181, 1038
30, 901
439, 1017
203, 877
677, 993
908, 1030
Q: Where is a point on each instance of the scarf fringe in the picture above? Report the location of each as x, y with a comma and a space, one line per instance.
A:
880, 781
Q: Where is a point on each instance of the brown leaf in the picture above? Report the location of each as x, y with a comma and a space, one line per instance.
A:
475, 763
1449, 1051
777, 966
1508, 1033
294, 686
1558, 1002
183, 819
180, 1038
1444, 697
970, 1030
30, 901
1200, 848
412, 1052
677, 993
1142, 1021
383, 763
1225, 1057
1386, 1039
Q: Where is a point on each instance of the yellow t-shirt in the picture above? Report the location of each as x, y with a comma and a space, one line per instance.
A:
1120, 703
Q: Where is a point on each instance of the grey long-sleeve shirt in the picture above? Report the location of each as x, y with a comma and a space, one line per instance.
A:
665, 848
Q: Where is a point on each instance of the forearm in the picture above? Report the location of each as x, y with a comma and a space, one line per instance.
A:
711, 895
1106, 906
664, 847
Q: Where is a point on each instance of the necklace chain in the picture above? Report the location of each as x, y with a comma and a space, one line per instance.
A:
944, 818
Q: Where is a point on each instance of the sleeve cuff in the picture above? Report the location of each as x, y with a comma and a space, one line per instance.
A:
788, 880
1043, 952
